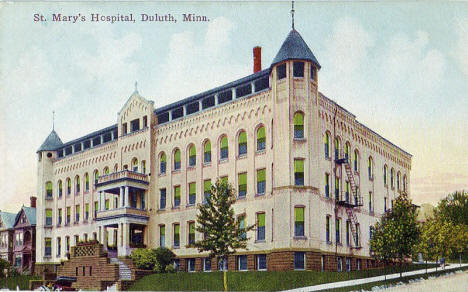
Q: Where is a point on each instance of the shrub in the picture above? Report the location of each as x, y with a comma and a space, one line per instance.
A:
164, 258
3, 265
144, 258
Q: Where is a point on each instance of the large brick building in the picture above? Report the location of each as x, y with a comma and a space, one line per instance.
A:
306, 172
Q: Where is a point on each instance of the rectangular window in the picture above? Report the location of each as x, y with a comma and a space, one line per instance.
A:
298, 172
242, 226
77, 213
337, 188
86, 212
206, 264
347, 191
371, 208
68, 215
191, 265
48, 246
242, 143
223, 264
48, 217
261, 181
224, 150
192, 193
358, 264
191, 236
107, 204
281, 71
340, 264
385, 204
59, 246
59, 219
162, 235
177, 196
135, 124
348, 226
327, 185
327, 229
96, 206
312, 72
260, 226
261, 261
357, 239
192, 156
298, 69
162, 164
299, 221
338, 230
322, 263
206, 190
176, 235
242, 262
162, 200
242, 180
299, 260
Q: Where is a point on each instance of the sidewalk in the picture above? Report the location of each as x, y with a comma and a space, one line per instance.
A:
372, 279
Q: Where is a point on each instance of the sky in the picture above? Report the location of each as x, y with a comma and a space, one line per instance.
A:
401, 68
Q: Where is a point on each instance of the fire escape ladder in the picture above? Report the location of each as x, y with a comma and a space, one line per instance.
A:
356, 244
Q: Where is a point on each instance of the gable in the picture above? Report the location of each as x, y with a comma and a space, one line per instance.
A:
135, 107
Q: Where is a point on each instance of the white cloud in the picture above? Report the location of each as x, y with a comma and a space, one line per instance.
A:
193, 66
461, 48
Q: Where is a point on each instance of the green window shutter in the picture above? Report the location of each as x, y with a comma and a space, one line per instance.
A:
327, 178
192, 188
298, 119
261, 175
261, 133
77, 208
177, 155
48, 213
87, 207
69, 183
49, 186
299, 165
162, 230
261, 219
68, 211
242, 138
207, 186
176, 229
192, 228
96, 175
207, 147
192, 151
224, 142
299, 214
177, 192
242, 178
107, 204
87, 178
163, 158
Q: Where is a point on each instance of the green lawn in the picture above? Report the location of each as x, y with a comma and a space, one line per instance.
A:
21, 281
252, 280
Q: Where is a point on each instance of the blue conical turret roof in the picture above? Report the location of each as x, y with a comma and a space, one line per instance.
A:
52, 142
294, 47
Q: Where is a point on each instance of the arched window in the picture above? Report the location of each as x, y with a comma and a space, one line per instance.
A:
261, 138
299, 125
385, 174
177, 159
337, 148
68, 186
162, 163
392, 178
192, 155
86, 182
106, 170
48, 187
404, 183
224, 150
356, 160
370, 168
135, 165
207, 152
242, 143
60, 188
96, 176
347, 150
326, 143
398, 181
77, 184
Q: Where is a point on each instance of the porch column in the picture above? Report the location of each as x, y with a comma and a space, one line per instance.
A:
126, 237
104, 237
99, 202
126, 197
121, 197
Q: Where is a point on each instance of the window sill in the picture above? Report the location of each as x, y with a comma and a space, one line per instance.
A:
48, 256
191, 167
190, 205
206, 164
175, 208
300, 237
86, 192
260, 241
259, 194
76, 223
58, 225
300, 140
175, 247
48, 226
329, 242
241, 198
260, 152
162, 209
162, 174
242, 156
77, 194
223, 160
299, 78
49, 198
175, 171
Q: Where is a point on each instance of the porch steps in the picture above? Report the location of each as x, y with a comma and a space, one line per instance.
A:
124, 271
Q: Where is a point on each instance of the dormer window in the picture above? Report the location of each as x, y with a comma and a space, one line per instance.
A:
124, 129
298, 69
313, 73
281, 71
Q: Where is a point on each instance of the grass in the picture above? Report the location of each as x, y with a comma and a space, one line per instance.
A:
22, 281
393, 282
253, 280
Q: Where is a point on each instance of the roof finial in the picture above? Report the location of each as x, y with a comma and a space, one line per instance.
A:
292, 13
53, 120
136, 86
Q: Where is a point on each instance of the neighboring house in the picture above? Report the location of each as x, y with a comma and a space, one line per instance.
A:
7, 221
24, 251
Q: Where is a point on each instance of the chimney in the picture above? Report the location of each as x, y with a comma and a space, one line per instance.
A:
257, 54
33, 201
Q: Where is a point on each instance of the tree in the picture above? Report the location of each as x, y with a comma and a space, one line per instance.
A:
153, 259
436, 239
454, 208
223, 233
395, 237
